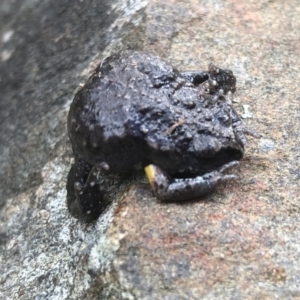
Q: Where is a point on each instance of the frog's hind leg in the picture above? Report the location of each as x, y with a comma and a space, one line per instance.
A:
167, 189
85, 193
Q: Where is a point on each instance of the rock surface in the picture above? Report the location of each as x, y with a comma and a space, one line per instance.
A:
239, 243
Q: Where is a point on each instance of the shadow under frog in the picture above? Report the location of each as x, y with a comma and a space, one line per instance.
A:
138, 112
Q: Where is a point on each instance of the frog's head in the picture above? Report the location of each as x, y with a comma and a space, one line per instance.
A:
221, 79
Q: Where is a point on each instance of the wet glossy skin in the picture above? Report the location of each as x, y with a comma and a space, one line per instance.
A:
136, 111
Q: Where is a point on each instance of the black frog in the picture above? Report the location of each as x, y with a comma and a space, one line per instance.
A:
138, 112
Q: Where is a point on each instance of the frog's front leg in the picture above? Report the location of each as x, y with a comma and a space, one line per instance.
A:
86, 194
167, 189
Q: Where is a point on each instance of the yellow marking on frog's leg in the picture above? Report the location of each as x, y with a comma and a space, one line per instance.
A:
150, 173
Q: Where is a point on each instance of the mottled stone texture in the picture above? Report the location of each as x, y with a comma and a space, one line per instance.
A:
242, 242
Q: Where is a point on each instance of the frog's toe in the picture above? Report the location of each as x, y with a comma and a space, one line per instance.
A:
220, 178
228, 166
251, 132
216, 177
241, 131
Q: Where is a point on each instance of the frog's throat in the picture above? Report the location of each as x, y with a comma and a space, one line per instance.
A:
150, 173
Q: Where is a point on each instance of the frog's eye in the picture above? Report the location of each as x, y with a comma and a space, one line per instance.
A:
199, 78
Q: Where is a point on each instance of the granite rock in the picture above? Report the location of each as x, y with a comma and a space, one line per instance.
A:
240, 242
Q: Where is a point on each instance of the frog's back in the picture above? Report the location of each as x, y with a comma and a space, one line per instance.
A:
137, 109
104, 121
